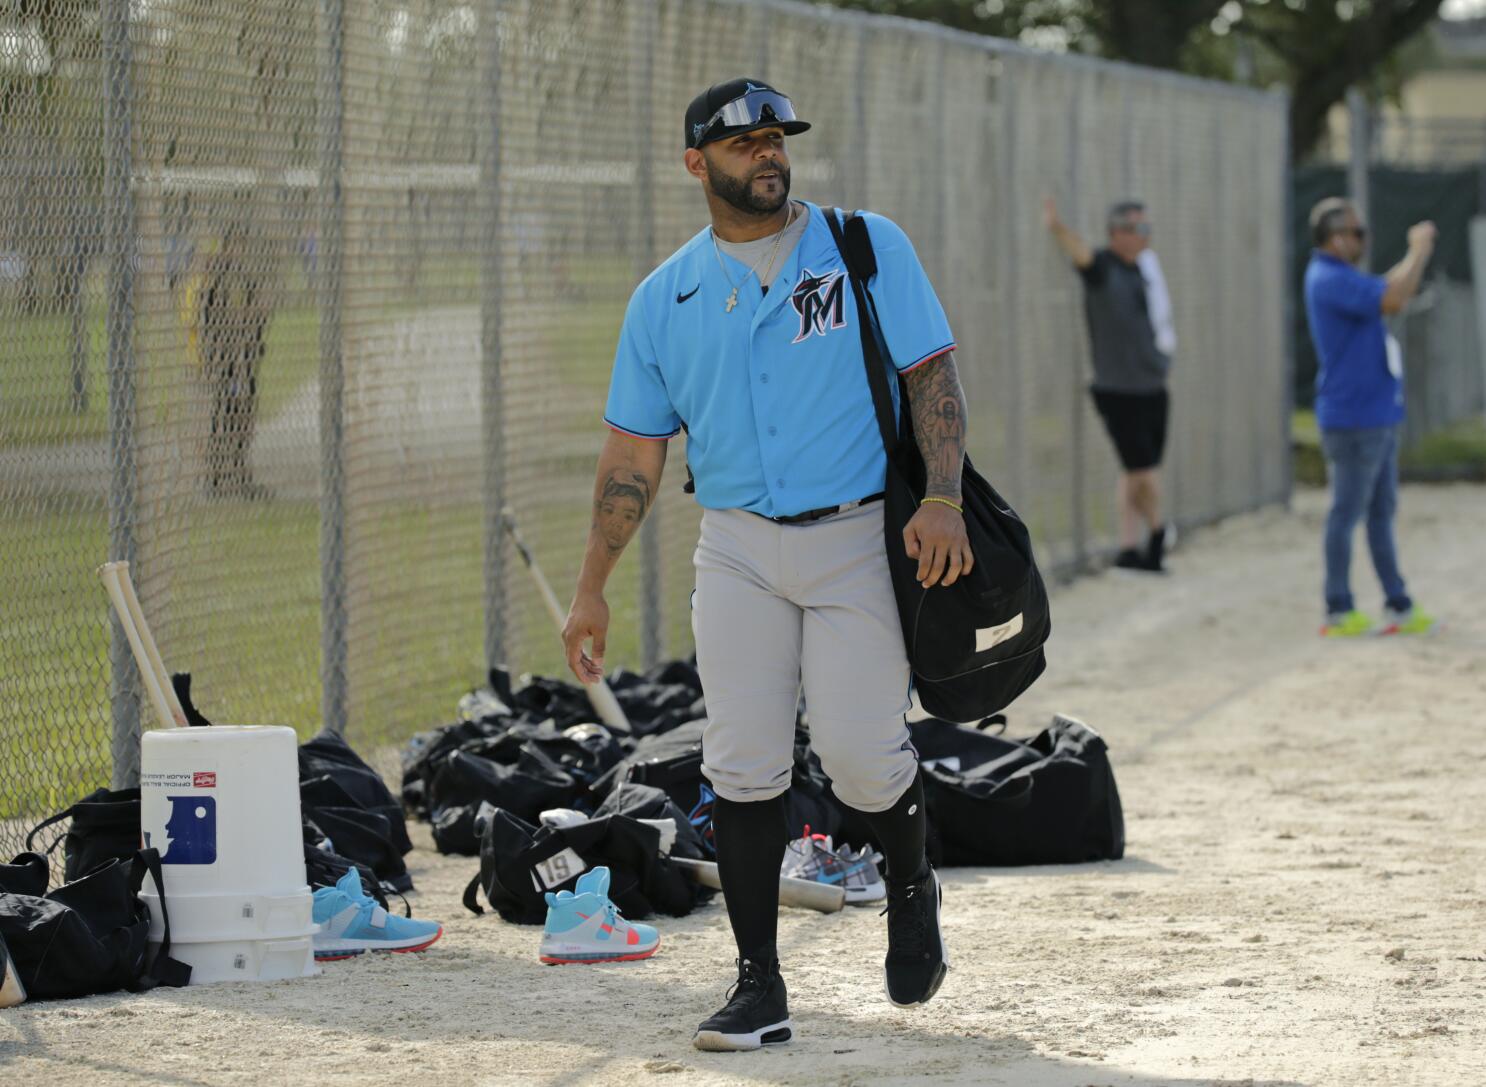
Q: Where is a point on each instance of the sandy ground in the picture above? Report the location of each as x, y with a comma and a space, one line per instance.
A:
1303, 900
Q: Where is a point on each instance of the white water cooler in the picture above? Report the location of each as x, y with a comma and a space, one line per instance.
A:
221, 804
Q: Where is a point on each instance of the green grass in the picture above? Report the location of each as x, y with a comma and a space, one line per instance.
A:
36, 374
1456, 452
1305, 444
255, 654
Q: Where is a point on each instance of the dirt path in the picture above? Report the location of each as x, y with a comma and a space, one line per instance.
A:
1304, 899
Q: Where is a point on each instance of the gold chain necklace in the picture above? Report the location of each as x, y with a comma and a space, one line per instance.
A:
773, 252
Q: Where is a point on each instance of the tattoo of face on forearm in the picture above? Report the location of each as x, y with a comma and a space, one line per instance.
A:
621, 505
938, 405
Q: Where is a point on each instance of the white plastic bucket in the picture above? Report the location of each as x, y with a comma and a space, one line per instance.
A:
221, 804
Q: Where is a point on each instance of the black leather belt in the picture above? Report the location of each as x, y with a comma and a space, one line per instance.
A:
824, 511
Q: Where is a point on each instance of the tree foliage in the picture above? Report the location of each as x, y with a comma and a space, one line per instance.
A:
1316, 48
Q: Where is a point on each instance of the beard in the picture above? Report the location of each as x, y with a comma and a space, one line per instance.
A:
738, 191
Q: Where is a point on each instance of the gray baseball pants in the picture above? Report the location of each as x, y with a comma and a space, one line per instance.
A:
776, 605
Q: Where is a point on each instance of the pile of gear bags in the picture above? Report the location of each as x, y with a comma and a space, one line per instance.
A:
484, 783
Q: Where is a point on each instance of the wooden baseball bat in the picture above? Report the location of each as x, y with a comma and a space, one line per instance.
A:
604, 702
157, 685
802, 893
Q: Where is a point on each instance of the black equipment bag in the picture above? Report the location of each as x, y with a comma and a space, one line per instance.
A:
105, 826
324, 867
90, 935
1051, 799
977, 644
358, 835
328, 754
520, 862
648, 802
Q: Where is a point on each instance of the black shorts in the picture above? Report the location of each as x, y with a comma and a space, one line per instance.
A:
1137, 425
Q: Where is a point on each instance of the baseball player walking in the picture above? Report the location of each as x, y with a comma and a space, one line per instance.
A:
746, 336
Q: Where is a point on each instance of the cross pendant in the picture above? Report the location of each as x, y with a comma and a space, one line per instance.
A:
732, 300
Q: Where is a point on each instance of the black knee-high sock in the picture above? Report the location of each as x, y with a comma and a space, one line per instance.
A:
900, 829
750, 839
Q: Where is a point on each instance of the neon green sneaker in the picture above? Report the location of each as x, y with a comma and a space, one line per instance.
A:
1351, 624
1412, 621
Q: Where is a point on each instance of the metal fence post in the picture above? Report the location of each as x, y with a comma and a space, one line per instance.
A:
860, 193
333, 655
1287, 306
77, 317
1008, 267
1078, 483
491, 427
119, 230
1217, 506
1359, 146
942, 154
650, 532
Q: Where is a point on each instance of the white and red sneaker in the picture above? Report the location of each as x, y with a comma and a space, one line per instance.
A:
586, 927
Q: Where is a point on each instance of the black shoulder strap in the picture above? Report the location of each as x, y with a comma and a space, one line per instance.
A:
39, 827
472, 896
855, 246
162, 969
181, 681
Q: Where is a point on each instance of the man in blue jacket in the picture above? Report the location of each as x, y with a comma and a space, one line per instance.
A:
1359, 406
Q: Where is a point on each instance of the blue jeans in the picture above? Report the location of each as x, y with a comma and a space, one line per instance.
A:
1363, 468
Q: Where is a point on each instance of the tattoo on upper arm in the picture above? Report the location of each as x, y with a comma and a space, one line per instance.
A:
623, 500
938, 406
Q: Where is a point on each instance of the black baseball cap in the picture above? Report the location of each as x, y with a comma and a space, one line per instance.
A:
738, 106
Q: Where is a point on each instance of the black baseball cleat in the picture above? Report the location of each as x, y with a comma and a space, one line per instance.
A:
1132, 560
1161, 541
916, 959
756, 1014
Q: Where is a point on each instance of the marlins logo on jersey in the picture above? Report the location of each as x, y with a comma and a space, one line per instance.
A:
820, 302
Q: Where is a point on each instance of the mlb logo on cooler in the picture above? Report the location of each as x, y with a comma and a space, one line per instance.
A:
204, 779
191, 831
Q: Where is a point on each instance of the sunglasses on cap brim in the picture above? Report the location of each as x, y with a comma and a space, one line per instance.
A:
750, 110
1142, 229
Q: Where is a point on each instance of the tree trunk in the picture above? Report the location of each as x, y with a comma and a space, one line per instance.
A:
1150, 32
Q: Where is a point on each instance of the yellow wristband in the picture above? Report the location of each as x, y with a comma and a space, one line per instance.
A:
946, 502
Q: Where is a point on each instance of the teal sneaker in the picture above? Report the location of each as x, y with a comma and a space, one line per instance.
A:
351, 923
585, 927
1351, 624
1412, 621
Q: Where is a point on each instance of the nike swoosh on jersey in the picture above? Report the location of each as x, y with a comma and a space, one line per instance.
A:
683, 297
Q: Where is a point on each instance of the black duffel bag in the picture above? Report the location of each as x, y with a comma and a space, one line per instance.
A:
90, 935
1050, 799
105, 826
977, 644
329, 755
519, 862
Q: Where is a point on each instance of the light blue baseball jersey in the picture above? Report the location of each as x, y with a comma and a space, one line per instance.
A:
773, 395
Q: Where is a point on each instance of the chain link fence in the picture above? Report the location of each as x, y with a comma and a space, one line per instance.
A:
298, 298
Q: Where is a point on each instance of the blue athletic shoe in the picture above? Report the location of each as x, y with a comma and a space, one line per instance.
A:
351, 922
587, 927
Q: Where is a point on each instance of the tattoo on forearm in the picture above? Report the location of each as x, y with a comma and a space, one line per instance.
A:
938, 405
623, 500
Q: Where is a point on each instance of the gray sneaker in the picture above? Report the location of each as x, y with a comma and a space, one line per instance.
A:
815, 857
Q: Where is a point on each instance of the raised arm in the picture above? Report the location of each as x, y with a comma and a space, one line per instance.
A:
1404, 277
627, 482
936, 535
1066, 237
